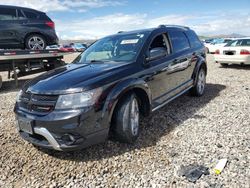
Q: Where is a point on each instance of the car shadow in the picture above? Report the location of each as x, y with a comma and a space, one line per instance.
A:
158, 124
234, 66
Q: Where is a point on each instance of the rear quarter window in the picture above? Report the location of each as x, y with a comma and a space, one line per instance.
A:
179, 41
193, 39
20, 15
30, 14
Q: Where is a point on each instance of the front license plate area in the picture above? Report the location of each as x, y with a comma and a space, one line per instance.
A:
25, 125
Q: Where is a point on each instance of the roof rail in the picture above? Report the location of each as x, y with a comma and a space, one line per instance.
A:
120, 31
178, 26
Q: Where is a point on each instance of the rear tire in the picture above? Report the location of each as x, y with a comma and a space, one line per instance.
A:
200, 83
126, 120
224, 64
35, 42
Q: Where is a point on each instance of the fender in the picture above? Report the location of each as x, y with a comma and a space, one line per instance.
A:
119, 90
201, 62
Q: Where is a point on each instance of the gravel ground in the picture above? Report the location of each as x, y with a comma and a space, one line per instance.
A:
187, 131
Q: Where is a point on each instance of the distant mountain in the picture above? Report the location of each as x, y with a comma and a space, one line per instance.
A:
88, 42
233, 35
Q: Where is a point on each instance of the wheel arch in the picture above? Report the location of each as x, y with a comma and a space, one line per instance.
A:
200, 64
138, 87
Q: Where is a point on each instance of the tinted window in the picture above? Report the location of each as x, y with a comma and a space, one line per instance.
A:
20, 15
179, 41
245, 42
30, 15
227, 40
193, 39
116, 48
240, 42
43, 16
7, 14
161, 41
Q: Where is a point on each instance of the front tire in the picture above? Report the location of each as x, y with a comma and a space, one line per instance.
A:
126, 120
35, 42
200, 83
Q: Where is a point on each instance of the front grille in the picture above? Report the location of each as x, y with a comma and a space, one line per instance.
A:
41, 104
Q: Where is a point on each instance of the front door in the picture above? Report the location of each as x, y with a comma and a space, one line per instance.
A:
156, 72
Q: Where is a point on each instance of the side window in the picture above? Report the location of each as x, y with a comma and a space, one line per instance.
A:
30, 15
179, 41
193, 39
20, 15
160, 42
246, 42
7, 14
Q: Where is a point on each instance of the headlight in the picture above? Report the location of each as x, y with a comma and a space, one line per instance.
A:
78, 100
18, 97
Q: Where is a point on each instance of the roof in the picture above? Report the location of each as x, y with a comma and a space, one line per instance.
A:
149, 30
18, 7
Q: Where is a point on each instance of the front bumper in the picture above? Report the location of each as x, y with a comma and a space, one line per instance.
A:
64, 130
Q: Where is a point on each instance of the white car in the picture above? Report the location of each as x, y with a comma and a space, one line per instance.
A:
53, 47
235, 52
211, 47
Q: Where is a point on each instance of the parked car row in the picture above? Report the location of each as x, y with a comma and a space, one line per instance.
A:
73, 47
213, 44
235, 52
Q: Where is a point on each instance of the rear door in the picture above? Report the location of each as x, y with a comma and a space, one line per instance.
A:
181, 66
8, 27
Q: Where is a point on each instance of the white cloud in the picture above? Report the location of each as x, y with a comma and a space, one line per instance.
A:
63, 5
225, 25
97, 27
208, 23
101, 26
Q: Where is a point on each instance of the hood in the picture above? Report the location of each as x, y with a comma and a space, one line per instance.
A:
75, 78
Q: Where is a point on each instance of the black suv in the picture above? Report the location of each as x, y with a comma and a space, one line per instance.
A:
108, 87
25, 28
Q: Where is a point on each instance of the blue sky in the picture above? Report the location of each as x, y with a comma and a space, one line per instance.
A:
83, 19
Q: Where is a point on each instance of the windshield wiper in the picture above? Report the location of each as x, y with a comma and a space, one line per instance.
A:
96, 61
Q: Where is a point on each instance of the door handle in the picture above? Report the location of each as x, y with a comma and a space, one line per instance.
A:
176, 61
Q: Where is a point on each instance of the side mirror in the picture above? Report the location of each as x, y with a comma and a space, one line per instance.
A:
156, 53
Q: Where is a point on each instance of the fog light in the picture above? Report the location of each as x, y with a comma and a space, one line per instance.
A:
70, 139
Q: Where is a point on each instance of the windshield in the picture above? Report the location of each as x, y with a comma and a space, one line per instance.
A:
240, 42
114, 48
218, 41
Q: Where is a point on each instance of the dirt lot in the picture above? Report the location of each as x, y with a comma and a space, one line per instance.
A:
186, 131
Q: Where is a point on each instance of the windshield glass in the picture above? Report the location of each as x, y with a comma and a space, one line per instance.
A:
218, 41
114, 48
240, 42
